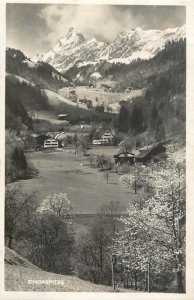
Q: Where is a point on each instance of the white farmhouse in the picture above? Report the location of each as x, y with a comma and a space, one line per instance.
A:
52, 143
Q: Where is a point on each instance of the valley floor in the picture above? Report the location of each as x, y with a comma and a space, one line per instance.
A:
65, 172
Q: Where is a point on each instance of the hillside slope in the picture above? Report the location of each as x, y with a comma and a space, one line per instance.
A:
38, 73
20, 275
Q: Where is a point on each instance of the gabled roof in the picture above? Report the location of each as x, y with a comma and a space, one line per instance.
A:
144, 148
144, 153
122, 153
108, 131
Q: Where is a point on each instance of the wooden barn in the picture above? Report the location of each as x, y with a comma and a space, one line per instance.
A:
124, 157
148, 152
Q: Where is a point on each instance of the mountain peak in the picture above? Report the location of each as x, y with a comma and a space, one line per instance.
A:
135, 43
73, 36
72, 31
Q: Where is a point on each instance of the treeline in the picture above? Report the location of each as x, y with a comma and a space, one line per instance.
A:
20, 97
15, 111
16, 165
42, 73
162, 110
142, 72
139, 73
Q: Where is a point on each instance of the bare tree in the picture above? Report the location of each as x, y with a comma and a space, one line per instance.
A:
95, 248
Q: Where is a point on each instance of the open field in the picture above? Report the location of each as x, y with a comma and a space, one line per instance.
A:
55, 98
58, 104
111, 99
63, 172
49, 116
106, 150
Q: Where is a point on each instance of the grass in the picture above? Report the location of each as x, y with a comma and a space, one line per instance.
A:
103, 97
76, 113
21, 275
87, 189
106, 150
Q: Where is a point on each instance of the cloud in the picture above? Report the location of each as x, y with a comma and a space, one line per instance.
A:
36, 28
99, 21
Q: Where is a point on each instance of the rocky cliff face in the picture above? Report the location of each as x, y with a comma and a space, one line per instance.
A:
75, 50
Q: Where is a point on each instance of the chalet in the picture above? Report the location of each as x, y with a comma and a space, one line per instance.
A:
148, 152
107, 138
124, 157
52, 143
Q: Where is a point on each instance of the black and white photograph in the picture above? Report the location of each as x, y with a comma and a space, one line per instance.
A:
95, 148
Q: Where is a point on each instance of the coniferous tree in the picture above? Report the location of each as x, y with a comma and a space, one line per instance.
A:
123, 122
136, 119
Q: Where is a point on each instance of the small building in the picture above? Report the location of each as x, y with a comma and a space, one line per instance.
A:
146, 153
52, 143
107, 138
124, 157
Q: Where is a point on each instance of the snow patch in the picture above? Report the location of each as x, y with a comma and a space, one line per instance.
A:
29, 63
86, 63
96, 75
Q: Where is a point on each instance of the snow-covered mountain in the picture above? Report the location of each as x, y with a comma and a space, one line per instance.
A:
75, 49
71, 50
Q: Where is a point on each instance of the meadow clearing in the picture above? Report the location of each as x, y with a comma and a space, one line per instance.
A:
106, 98
65, 172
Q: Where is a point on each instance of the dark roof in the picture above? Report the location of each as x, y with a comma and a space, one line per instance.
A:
124, 153
144, 153
107, 131
146, 147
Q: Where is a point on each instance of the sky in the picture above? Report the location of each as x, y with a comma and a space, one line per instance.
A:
36, 28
